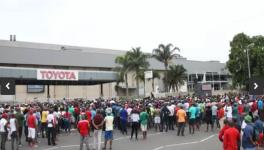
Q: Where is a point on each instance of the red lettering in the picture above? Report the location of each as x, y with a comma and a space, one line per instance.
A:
72, 76
43, 74
61, 75
49, 75
67, 74
55, 74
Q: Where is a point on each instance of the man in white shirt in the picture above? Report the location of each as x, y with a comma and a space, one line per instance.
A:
3, 130
135, 123
228, 111
13, 130
171, 116
51, 123
109, 126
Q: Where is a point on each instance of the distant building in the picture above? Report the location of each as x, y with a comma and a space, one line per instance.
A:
92, 69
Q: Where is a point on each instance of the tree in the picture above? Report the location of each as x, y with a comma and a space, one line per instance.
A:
156, 75
237, 63
137, 62
164, 54
176, 76
122, 69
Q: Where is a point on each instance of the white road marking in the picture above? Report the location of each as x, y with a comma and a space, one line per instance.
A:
117, 139
187, 143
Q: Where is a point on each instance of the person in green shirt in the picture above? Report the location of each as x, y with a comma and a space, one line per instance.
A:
20, 120
144, 122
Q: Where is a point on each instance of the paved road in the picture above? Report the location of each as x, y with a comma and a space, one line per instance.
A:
156, 141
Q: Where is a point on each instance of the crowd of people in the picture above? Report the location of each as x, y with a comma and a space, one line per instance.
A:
232, 116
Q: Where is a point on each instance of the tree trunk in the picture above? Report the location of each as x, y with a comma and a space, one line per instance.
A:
126, 85
137, 80
166, 78
153, 85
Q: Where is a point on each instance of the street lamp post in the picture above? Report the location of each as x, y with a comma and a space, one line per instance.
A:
248, 63
249, 74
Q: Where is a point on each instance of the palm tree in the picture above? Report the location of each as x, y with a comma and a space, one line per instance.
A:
164, 54
176, 76
122, 69
137, 62
156, 75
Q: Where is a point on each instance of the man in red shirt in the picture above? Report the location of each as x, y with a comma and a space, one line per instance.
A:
76, 114
83, 128
88, 116
231, 137
220, 116
31, 121
98, 123
222, 131
240, 109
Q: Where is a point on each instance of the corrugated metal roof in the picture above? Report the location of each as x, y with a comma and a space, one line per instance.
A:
91, 59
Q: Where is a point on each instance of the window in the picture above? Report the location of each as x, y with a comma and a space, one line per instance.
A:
35, 88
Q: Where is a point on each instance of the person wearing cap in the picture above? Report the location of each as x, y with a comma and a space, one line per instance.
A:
3, 130
247, 140
109, 126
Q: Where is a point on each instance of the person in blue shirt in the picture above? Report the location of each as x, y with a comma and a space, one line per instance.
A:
260, 104
258, 124
247, 140
198, 117
123, 119
192, 117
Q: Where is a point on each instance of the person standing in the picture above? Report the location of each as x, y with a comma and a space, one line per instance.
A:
171, 116
76, 115
32, 125
89, 118
164, 115
13, 130
98, 122
51, 124
157, 119
3, 130
222, 131
231, 137
67, 121
135, 123
247, 139
123, 119
109, 126
181, 120
144, 123
214, 115
83, 128
44, 115
192, 114
208, 117
20, 119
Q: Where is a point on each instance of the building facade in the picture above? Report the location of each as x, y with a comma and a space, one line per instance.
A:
94, 67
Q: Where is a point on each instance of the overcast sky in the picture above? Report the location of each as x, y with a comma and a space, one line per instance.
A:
202, 29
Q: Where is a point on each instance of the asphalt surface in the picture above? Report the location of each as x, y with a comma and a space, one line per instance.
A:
201, 140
